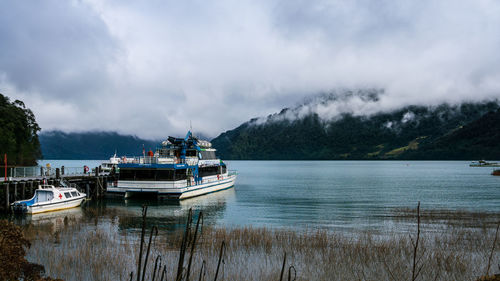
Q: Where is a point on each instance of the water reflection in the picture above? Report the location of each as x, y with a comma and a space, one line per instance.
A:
52, 221
165, 214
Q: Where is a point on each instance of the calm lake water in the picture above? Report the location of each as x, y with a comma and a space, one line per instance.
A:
333, 195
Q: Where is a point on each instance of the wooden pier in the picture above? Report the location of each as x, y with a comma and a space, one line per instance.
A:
94, 184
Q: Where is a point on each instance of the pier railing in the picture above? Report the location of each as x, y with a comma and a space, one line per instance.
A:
17, 172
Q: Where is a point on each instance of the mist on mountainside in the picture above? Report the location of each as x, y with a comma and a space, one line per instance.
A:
352, 125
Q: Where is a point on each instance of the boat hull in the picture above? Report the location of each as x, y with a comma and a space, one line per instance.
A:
48, 207
172, 192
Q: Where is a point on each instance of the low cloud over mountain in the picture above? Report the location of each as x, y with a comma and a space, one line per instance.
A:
151, 67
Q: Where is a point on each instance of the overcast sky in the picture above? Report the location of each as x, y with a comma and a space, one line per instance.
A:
150, 67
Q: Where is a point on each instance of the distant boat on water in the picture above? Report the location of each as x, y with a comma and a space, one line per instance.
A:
482, 163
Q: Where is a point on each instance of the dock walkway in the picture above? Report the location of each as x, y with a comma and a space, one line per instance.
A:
21, 182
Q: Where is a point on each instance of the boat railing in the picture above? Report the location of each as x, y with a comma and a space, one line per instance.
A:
158, 160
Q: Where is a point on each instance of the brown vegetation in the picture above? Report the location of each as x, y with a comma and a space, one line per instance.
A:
13, 265
91, 251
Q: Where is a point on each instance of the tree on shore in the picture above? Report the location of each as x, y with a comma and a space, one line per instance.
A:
18, 133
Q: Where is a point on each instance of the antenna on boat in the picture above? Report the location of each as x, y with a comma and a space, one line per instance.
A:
191, 127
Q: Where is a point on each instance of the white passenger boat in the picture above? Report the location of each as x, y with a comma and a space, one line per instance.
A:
108, 165
48, 198
179, 169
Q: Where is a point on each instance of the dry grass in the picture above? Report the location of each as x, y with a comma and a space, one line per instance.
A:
459, 218
85, 250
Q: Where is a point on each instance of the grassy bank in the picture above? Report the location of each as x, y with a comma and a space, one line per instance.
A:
82, 249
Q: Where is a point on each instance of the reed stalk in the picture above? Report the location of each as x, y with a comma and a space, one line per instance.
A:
184, 245
492, 250
222, 250
156, 267
153, 229
200, 218
283, 268
143, 231
415, 272
203, 271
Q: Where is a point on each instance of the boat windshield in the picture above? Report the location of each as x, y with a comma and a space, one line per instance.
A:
43, 195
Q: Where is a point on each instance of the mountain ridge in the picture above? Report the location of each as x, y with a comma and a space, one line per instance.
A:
406, 133
91, 145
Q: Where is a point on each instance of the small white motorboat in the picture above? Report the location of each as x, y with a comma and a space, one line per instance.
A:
48, 198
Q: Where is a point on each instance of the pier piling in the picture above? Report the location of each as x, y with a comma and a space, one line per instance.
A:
15, 191
6, 186
23, 189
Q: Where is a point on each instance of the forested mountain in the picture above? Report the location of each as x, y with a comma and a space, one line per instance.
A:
479, 139
18, 133
310, 131
91, 145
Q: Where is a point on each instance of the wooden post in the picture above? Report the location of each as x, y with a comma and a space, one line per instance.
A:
31, 188
15, 191
7, 205
96, 170
58, 173
41, 171
99, 187
5, 163
62, 170
105, 184
87, 190
23, 191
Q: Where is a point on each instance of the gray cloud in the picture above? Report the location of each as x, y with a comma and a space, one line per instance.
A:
151, 67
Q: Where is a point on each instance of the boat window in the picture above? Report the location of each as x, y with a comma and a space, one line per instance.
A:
164, 175
208, 171
126, 174
43, 195
145, 175
74, 193
191, 153
224, 169
180, 174
67, 194
207, 155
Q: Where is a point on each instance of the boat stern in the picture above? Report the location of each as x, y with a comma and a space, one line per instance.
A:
19, 208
